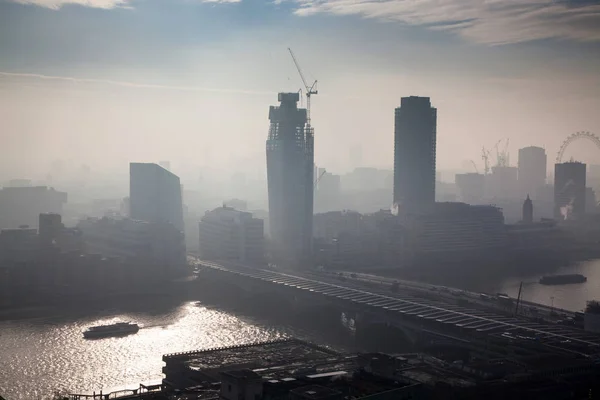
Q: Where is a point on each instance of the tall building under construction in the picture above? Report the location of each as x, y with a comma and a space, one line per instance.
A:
290, 171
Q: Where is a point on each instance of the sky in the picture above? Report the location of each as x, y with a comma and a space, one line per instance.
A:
106, 82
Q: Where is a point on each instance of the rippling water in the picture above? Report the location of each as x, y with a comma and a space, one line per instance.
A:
40, 355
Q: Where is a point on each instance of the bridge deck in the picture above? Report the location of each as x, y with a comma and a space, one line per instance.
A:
564, 338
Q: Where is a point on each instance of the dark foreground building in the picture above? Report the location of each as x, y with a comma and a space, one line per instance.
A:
155, 195
414, 155
290, 165
569, 190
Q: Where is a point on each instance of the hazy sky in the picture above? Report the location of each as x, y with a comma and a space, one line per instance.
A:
105, 82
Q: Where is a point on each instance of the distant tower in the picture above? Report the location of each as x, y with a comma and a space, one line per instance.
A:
414, 155
290, 171
528, 211
155, 195
532, 169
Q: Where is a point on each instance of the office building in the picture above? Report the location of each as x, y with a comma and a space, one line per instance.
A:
532, 169
457, 229
290, 172
569, 190
471, 187
232, 235
155, 195
327, 192
23, 205
158, 246
414, 155
502, 184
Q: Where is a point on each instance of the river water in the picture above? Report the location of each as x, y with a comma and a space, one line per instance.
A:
47, 352
569, 297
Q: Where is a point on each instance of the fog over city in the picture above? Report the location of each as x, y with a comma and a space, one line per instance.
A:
191, 82
273, 199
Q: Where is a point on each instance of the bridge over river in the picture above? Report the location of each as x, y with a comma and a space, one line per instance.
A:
425, 314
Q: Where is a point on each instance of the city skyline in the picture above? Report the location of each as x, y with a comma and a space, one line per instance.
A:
78, 94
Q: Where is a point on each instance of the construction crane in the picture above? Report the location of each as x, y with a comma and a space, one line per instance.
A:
502, 156
475, 166
319, 179
485, 156
310, 90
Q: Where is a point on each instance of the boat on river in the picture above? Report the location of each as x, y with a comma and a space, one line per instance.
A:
117, 329
562, 279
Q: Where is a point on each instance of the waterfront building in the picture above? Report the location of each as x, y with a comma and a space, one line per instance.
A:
23, 205
290, 171
160, 246
456, 229
532, 164
569, 190
232, 235
155, 195
415, 135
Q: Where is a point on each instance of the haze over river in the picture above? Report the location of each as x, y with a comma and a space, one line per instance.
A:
47, 351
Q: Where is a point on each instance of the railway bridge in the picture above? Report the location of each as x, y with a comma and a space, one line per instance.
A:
420, 319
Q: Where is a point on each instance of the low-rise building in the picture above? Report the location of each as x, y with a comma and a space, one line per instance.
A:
229, 234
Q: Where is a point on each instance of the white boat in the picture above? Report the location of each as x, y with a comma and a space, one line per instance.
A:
118, 329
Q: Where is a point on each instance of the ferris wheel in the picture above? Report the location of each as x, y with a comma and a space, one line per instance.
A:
573, 137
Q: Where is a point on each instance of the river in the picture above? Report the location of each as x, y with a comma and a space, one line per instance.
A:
569, 297
47, 352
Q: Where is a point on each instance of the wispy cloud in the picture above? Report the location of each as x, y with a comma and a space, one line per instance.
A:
57, 4
20, 77
481, 21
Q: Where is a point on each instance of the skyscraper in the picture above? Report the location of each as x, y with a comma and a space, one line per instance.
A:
290, 171
155, 195
532, 169
569, 190
414, 155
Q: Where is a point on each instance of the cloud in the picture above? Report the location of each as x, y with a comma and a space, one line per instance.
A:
480, 21
57, 4
20, 77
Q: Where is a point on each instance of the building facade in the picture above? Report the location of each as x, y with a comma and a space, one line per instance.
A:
569, 190
23, 205
414, 155
229, 234
155, 195
533, 163
160, 246
290, 175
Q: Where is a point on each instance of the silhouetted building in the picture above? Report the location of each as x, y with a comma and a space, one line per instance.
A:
290, 163
165, 164
533, 163
414, 155
591, 202
155, 195
328, 192
23, 205
229, 234
471, 187
50, 228
569, 190
19, 183
527, 211
456, 229
159, 246
502, 183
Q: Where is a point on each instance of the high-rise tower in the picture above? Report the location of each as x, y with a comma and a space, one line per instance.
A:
414, 155
290, 171
155, 195
569, 190
532, 169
